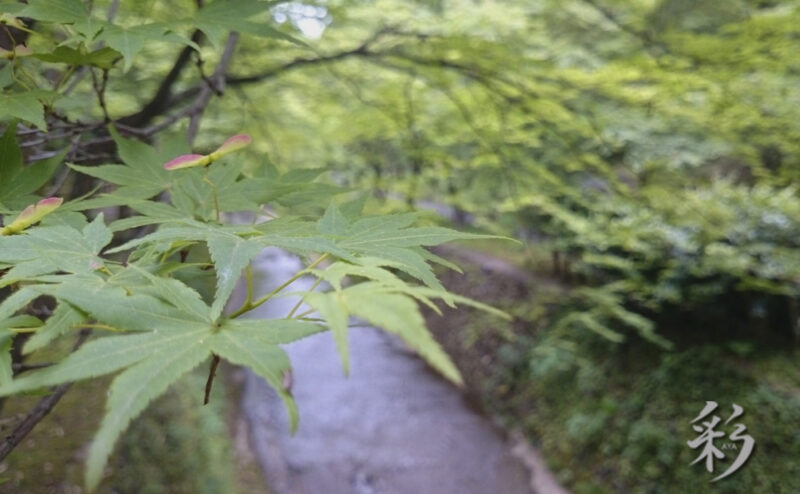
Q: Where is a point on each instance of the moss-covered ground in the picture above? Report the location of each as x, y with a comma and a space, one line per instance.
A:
616, 418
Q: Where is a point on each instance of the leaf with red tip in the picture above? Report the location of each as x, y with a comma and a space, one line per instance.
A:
32, 214
187, 161
234, 143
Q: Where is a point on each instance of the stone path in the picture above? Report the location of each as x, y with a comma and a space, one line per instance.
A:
392, 427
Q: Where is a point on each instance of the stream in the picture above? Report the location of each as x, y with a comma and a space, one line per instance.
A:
392, 427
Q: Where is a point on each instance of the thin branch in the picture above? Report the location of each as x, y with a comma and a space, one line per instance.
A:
218, 83
303, 298
161, 99
252, 305
210, 381
18, 368
81, 73
40, 411
100, 90
112, 10
651, 46
361, 50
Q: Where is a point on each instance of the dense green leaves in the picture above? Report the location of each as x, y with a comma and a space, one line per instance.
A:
141, 177
169, 327
152, 289
51, 249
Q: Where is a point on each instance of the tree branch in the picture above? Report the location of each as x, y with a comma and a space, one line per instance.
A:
160, 102
40, 411
297, 63
217, 79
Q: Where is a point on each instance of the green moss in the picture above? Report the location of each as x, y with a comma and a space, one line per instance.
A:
605, 428
612, 418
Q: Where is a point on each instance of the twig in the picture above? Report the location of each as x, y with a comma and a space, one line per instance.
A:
211, 373
17, 368
40, 411
217, 81
81, 73
361, 50
302, 299
247, 307
161, 99
100, 89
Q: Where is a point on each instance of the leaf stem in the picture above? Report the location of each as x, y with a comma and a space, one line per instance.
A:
213, 192
303, 314
248, 275
248, 306
99, 326
24, 330
211, 373
300, 302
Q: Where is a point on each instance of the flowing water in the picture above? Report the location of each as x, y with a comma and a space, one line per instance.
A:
391, 427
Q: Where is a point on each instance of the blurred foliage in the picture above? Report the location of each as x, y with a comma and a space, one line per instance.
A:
652, 145
191, 455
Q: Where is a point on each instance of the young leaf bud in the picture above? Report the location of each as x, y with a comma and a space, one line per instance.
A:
187, 161
32, 214
234, 143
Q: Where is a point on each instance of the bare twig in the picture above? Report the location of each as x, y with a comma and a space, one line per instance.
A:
40, 411
17, 368
361, 50
81, 73
210, 381
99, 86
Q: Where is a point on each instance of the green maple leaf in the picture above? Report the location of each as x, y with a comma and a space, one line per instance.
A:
64, 11
141, 177
152, 213
388, 302
394, 312
102, 58
390, 240
64, 318
25, 106
170, 340
16, 301
129, 41
230, 254
50, 249
7, 333
236, 192
233, 247
221, 16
